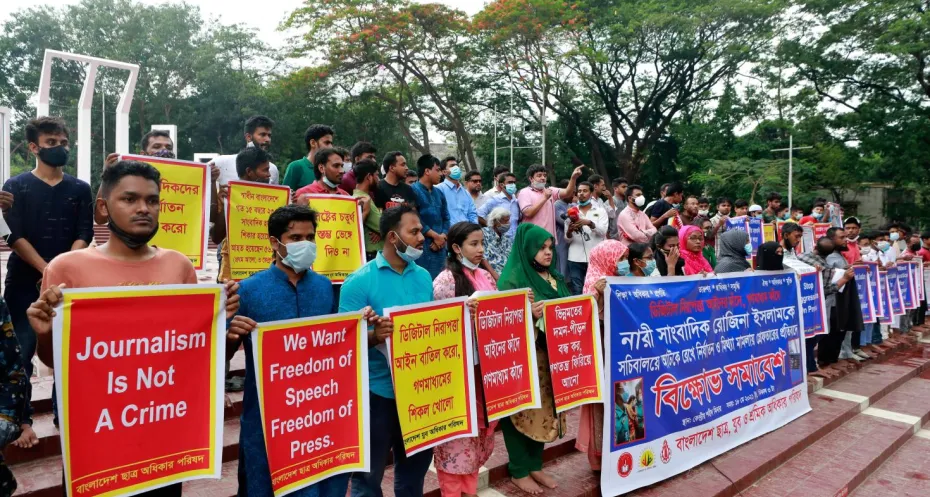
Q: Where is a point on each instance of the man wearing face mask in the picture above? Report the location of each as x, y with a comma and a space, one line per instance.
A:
52, 214
508, 199
458, 200
633, 224
289, 289
131, 203
828, 350
330, 167
392, 279
667, 208
704, 207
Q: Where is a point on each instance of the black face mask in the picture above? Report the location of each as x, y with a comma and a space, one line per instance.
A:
54, 156
915, 247
130, 240
539, 268
823, 253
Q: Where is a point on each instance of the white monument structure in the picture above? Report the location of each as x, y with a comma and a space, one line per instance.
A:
85, 104
172, 130
6, 115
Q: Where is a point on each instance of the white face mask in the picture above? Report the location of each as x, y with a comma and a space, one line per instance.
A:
865, 250
300, 255
539, 186
640, 201
467, 263
703, 213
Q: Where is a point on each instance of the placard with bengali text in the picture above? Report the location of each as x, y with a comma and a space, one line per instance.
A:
431, 359
339, 236
248, 207
184, 217
573, 341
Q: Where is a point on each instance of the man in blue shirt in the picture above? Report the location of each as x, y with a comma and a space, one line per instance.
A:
392, 279
53, 214
434, 214
461, 205
506, 198
288, 289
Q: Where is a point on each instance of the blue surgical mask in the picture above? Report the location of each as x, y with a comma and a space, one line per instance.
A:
511, 189
455, 173
329, 183
748, 248
817, 215
676, 206
884, 246
894, 236
585, 203
300, 255
623, 268
650, 267
410, 254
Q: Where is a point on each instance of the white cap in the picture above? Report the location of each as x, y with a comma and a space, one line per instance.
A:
755, 208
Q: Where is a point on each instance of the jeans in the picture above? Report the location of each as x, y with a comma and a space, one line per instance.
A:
576, 273
409, 472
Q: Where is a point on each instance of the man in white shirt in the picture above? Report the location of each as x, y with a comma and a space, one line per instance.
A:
497, 187
257, 134
583, 235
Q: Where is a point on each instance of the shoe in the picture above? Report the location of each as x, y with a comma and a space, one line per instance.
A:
862, 354
853, 357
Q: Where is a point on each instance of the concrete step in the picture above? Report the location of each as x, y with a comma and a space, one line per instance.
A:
905, 473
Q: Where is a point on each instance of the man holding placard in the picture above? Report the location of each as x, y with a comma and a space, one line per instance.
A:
392, 279
131, 203
289, 289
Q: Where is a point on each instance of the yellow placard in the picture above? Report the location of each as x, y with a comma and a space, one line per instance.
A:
185, 206
768, 232
431, 360
247, 211
339, 240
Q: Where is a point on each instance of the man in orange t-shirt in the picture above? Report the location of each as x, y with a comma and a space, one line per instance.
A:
130, 202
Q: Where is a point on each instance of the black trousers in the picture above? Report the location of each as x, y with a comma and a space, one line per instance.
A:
828, 350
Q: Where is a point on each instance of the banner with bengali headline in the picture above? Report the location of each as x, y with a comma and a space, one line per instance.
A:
908, 281
431, 359
139, 382
506, 348
813, 307
248, 207
866, 298
876, 291
895, 290
339, 236
573, 341
698, 366
184, 216
312, 381
739, 223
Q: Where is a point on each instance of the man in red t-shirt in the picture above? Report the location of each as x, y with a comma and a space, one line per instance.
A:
328, 165
852, 227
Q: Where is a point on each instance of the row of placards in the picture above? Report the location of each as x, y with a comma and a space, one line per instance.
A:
184, 221
151, 390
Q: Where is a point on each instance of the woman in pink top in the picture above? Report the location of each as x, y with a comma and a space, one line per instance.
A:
691, 247
458, 461
603, 261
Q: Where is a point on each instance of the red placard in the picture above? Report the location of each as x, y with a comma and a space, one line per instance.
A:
573, 339
506, 352
312, 380
140, 386
820, 230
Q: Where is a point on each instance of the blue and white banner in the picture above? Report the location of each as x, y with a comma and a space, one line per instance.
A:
876, 291
756, 237
895, 299
813, 307
696, 367
866, 300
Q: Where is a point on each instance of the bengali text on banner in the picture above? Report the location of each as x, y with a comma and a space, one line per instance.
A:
184, 214
573, 340
140, 386
894, 290
312, 380
248, 207
876, 290
813, 308
866, 300
506, 348
721, 364
339, 236
756, 237
431, 359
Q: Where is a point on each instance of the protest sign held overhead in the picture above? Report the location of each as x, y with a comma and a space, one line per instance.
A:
698, 366
431, 360
312, 382
573, 340
247, 211
141, 403
506, 348
339, 236
184, 216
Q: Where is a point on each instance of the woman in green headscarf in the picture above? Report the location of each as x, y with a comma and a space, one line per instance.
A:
532, 265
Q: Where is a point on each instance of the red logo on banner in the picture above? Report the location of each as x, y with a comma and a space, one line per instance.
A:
666, 453
625, 465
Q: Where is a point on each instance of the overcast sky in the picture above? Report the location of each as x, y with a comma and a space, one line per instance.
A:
266, 19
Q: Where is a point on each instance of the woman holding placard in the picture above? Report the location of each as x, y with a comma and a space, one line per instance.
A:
458, 461
532, 265
608, 258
